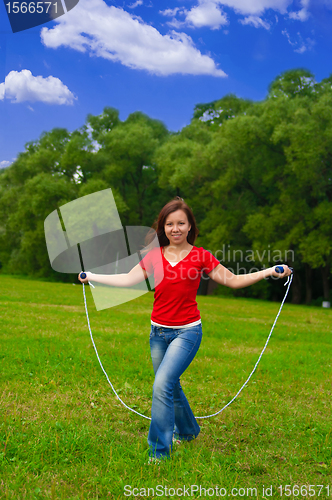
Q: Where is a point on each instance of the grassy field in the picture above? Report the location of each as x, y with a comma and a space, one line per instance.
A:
64, 435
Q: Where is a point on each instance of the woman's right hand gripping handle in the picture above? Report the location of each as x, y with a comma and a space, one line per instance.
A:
83, 277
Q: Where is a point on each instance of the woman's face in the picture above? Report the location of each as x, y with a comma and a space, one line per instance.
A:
177, 227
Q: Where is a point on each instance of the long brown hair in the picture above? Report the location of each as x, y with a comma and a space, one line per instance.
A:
172, 206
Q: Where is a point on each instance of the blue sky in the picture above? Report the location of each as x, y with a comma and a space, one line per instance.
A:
161, 58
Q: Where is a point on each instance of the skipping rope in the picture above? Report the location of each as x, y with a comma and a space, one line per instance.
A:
279, 269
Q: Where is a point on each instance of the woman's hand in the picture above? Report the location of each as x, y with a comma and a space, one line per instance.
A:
286, 272
86, 280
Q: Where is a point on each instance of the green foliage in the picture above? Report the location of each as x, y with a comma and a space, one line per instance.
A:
127, 165
258, 176
293, 83
304, 183
63, 166
102, 124
95, 185
24, 214
216, 112
181, 158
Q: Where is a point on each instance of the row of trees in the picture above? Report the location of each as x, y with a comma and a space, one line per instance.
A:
258, 176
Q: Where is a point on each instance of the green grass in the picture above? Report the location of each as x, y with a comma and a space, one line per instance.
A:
64, 435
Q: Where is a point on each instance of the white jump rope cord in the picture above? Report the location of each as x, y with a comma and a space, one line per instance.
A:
289, 281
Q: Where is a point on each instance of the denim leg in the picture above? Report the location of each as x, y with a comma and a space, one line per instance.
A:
186, 427
172, 351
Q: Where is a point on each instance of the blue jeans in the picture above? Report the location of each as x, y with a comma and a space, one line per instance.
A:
172, 351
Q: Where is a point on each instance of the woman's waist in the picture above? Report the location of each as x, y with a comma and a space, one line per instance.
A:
187, 325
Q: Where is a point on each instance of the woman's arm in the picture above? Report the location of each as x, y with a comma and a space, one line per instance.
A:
223, 276
135, 276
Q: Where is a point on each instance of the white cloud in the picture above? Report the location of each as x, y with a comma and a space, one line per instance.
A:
303, 14
300, 46
256, 7
20, 86
207, 13
135, 4
110, 32
5, 164
255, 21
174, 23
177, 24
305, 45
169, 12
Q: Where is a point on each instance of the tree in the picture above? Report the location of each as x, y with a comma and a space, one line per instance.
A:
62, 166
262, 178
293, 83
216, 112
23, 246
257, 175
127, 164
303, 211
308, 149
101, 125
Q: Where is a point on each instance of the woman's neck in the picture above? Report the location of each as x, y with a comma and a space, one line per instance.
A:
177, 252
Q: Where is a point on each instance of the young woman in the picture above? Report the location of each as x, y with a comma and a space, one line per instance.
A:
176, 328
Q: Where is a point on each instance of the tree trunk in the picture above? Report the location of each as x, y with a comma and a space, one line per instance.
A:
308, 284
203, 285
326, 286
296, 289
212, 285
